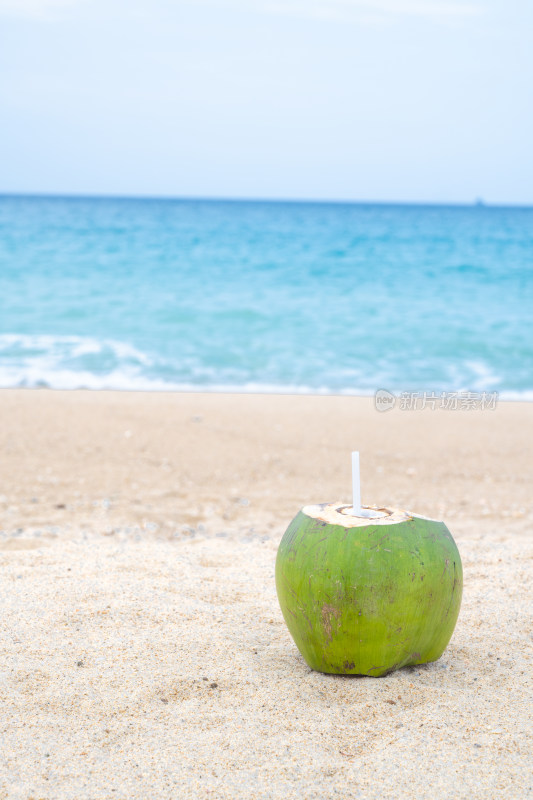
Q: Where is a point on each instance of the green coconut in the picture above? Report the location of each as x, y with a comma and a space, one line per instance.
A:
368, 596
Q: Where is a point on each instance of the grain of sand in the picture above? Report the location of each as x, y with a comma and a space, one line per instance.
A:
143, 651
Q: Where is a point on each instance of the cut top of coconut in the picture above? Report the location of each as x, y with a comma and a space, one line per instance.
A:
342, 514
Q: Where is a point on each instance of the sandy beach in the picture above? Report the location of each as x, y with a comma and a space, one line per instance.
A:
144, 654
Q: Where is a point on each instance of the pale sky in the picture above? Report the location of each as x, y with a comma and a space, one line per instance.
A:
379, 100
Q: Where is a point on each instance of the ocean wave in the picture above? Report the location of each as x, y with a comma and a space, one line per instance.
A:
72, 362
66, 346
77, 362
120, 380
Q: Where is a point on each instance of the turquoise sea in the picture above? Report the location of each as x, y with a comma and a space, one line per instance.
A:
265, 296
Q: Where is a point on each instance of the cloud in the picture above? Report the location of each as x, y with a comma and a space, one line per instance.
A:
370, 10
38, 9
352, 10
341, 10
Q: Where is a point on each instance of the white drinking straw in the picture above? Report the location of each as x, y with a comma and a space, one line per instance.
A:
357, 509
356, 485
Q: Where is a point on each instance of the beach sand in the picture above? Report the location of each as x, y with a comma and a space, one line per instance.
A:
143, 652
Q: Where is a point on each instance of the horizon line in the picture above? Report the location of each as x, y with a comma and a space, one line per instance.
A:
476, 203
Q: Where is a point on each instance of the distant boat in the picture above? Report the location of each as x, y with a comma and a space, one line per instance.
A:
479, 202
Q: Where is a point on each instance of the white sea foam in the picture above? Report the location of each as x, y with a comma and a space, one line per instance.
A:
473, 376
484, 377
59, 362
72, 345
45, 360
